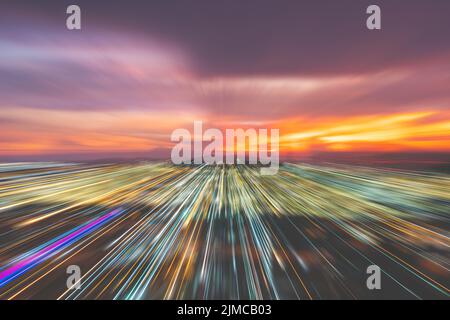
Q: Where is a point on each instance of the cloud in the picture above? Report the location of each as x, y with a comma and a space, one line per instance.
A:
138, 70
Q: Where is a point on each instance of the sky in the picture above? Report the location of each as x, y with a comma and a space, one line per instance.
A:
140, 69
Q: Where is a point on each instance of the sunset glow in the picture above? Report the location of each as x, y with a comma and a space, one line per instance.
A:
102, 92
53, 131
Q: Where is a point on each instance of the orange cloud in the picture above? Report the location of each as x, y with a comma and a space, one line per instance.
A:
428, 130
56, 131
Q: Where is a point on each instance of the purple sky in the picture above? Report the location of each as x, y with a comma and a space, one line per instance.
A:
232, 62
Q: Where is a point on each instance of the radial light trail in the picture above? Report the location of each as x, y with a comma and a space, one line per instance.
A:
222, 232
